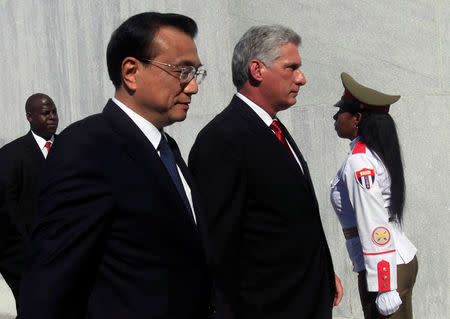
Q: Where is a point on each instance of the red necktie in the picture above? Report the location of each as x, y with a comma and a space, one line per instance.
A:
48, 144
275, 126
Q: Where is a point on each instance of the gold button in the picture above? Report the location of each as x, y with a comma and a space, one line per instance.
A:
384, 269
385, 285
384, 277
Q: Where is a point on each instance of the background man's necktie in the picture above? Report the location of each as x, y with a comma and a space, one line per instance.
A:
168, 159
275, 126
48, 144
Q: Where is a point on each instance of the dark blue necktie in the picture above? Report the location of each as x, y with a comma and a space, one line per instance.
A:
168, 159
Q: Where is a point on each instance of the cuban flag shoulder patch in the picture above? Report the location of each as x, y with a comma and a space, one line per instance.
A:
365, 178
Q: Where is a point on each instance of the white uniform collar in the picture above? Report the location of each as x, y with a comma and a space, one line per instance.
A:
353, 143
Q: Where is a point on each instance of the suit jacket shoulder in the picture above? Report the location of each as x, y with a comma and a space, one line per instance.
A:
18, 148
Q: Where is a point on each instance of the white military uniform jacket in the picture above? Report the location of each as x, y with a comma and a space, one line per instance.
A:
360, 195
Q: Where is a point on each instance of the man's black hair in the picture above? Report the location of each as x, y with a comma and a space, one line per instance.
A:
134, 38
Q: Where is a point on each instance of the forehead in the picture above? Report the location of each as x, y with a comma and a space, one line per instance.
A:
344, 114
42, 103
289, 53
175, 47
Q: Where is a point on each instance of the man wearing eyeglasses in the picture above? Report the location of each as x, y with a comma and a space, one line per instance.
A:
119, 233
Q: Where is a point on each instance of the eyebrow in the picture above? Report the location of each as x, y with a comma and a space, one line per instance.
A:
188, 63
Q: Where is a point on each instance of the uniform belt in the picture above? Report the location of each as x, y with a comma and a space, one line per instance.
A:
352, 232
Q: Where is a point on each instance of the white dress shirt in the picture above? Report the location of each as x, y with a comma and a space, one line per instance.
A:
154, 136
41, 143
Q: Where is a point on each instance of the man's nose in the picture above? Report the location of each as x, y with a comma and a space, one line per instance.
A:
300, 78
191, 87
54, 116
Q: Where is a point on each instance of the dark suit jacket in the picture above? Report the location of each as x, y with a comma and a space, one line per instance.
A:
113, 238
21, 164
269, 253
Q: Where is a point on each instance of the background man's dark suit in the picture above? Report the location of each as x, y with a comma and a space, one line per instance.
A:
21, 165
269, 251
114, 238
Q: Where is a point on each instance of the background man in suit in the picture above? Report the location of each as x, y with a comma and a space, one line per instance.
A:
118, 233
269, 253
22, 162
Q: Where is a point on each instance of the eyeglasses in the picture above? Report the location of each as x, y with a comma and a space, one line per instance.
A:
187, 73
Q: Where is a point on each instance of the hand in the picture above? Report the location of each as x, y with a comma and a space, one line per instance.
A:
388, 302
339, 291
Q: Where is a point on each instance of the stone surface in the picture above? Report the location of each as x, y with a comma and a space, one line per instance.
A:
399, 47
7, 304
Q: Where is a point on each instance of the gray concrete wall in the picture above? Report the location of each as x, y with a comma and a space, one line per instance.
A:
400, 47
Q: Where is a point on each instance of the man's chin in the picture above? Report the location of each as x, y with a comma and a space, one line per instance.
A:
178, 118
285, 107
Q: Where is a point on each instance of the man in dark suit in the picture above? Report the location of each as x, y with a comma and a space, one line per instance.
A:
270, 257
22, 161
118, 232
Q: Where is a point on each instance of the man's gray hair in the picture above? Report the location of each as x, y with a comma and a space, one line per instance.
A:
263, 43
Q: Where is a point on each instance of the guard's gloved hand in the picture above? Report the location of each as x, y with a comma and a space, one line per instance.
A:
388, 302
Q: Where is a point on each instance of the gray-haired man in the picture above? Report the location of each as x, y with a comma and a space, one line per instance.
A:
269, 252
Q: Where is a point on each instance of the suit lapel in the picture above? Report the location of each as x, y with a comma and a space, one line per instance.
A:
302, 161
255, 123
186, 173
134, 142
184, 170
179, 159
196, 200
33, 150
296, 150
268, 139
139, 148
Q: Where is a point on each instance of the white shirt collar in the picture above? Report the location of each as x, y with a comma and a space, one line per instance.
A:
258, 110
149, 130
354, 141
41, 141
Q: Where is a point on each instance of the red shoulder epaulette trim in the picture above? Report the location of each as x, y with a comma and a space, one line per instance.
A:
360, 147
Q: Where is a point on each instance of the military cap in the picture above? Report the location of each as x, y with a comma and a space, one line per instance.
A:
357, 97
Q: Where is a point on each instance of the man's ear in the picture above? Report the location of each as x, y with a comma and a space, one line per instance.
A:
256, 69
29, 118
129, 73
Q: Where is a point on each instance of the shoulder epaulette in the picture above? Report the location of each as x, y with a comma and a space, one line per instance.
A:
360, 147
